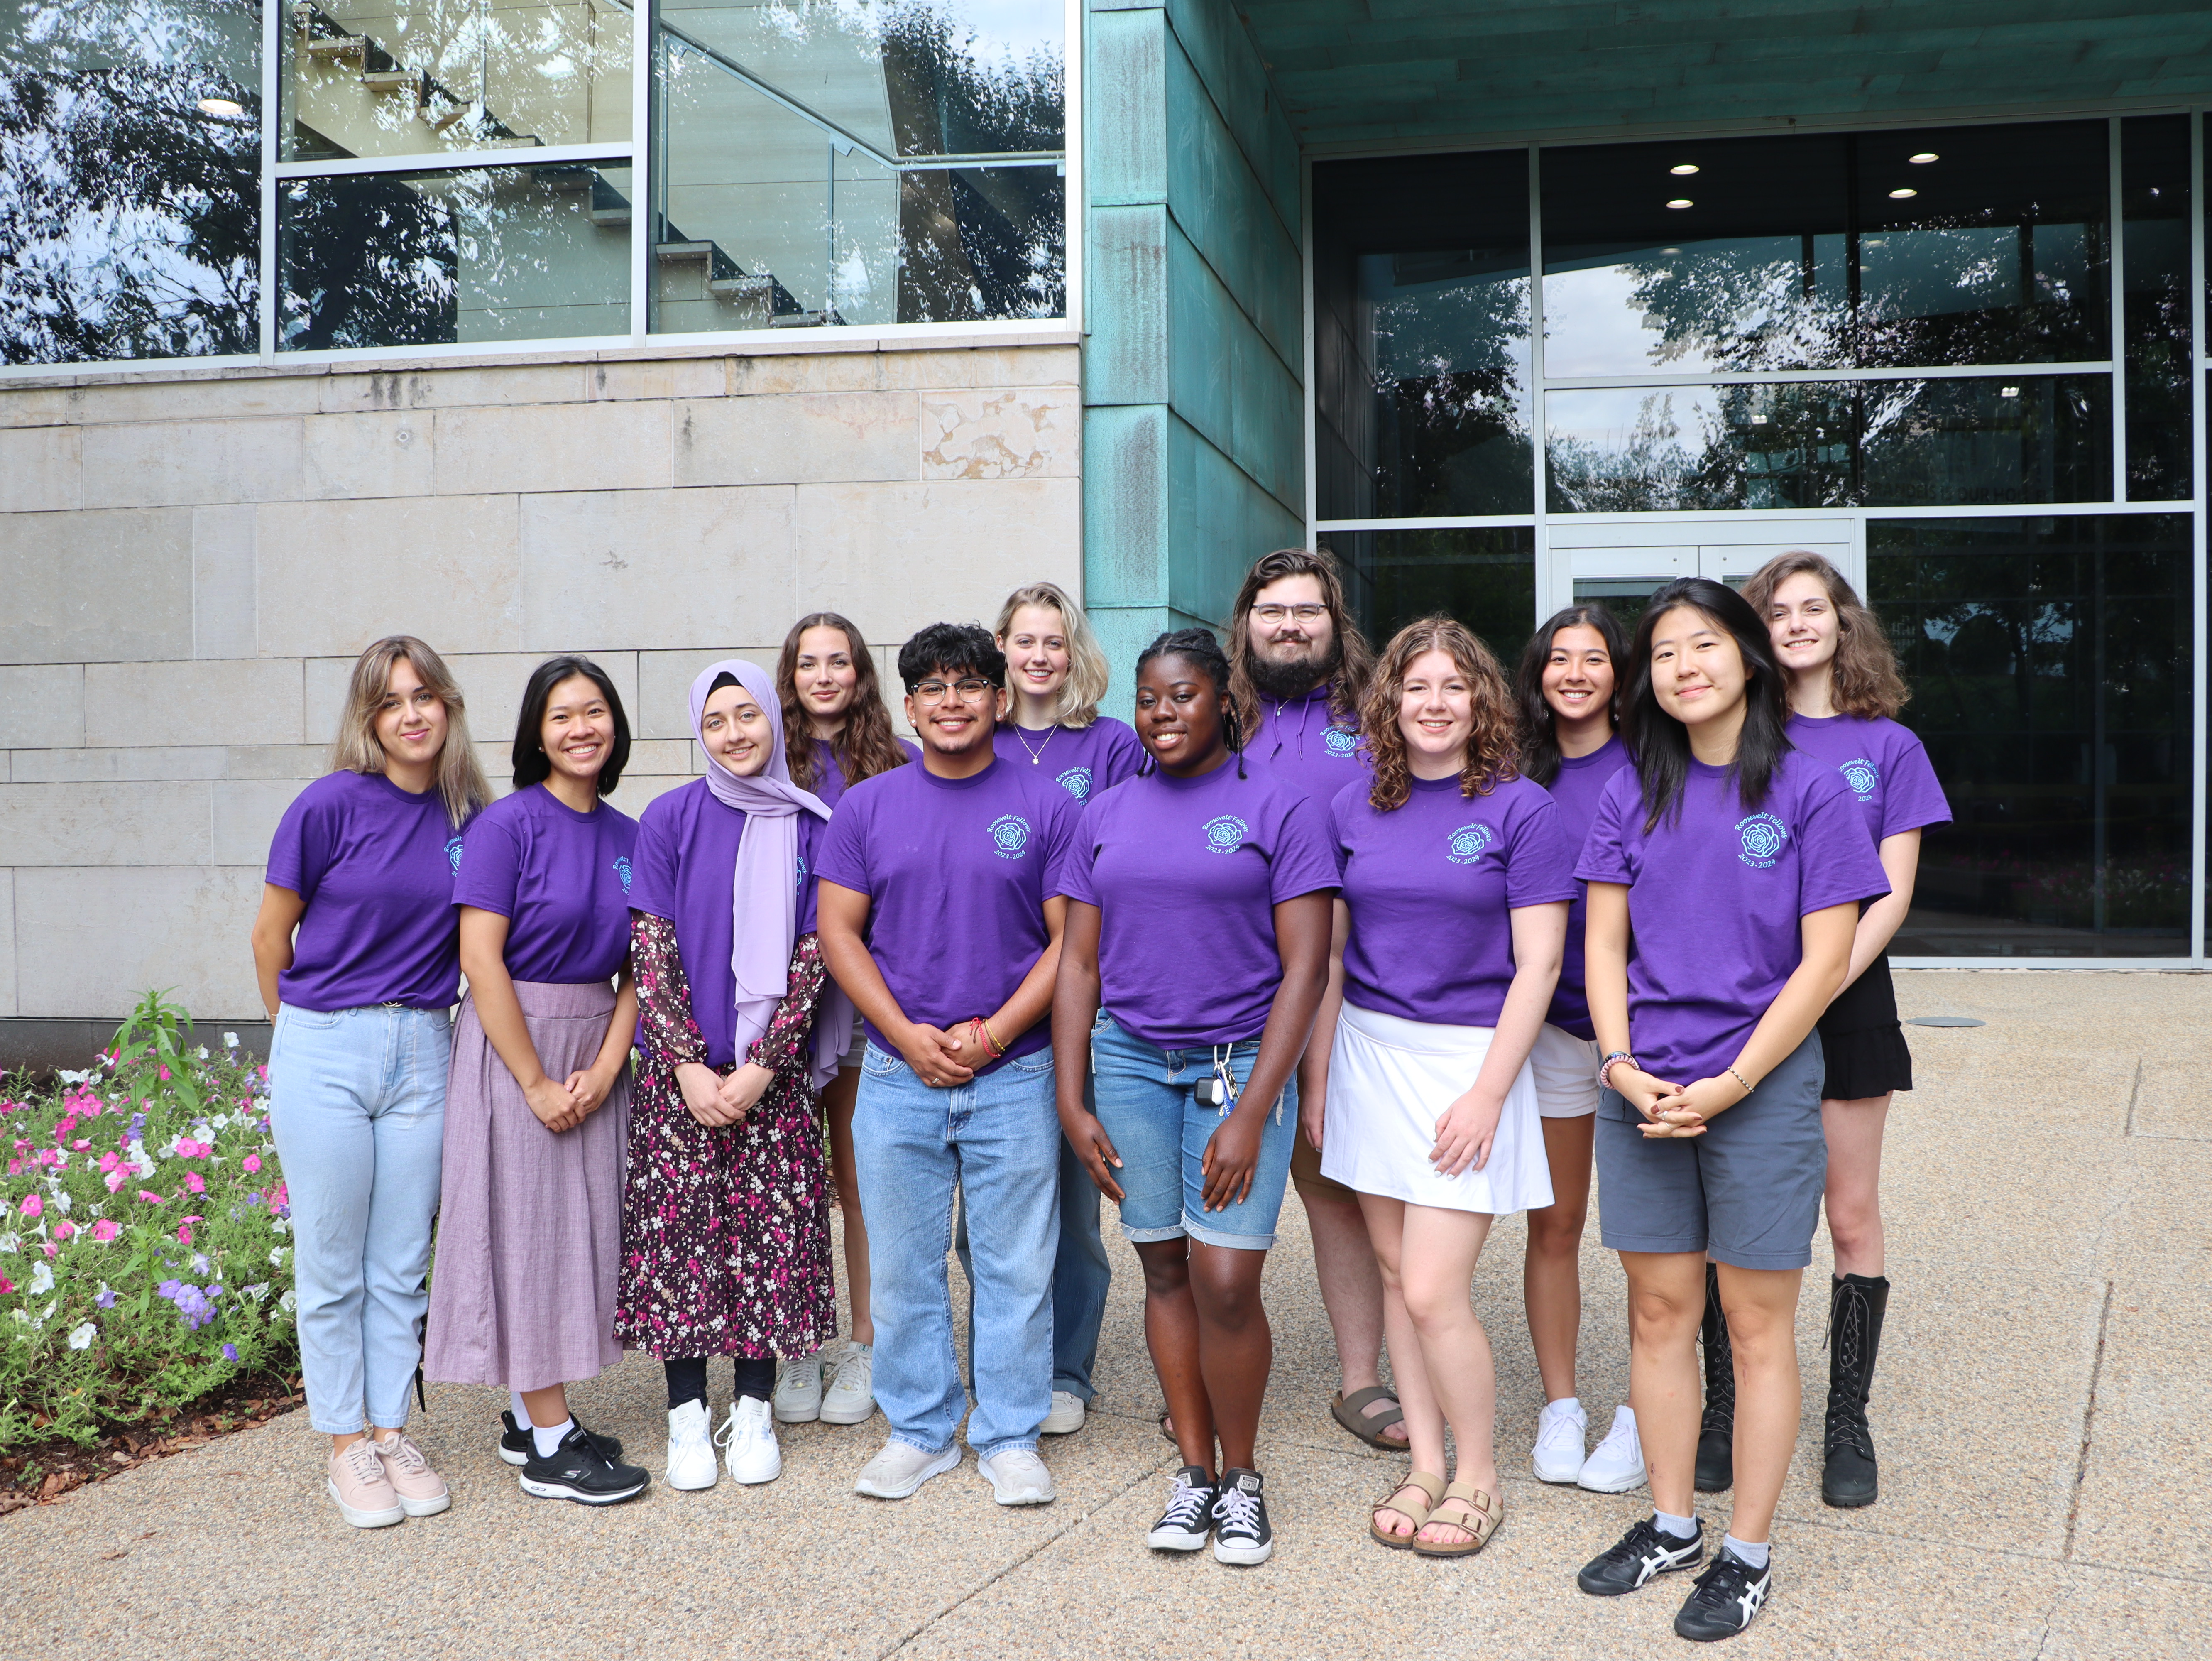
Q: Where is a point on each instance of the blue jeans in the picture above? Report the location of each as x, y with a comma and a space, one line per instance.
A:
1161, 1130
994, 1142
357, 1102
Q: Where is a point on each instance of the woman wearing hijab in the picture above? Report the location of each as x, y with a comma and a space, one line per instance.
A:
725, 1213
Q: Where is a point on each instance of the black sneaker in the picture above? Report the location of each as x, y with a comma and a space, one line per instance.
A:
1642, 1556
517, 1445
579, 1470
1241, 1534
1188, 1518
1727, 1595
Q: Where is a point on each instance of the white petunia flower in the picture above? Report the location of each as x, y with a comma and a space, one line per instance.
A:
42, 1276
276, 1256
230, 1041
80, 1337
290, 1301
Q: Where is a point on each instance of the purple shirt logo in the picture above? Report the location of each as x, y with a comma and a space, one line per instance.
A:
1863, 776
621, 870
1338, 741
1226, 835
454, 851
1761, 837
1076, 781
1465, 845
1009, 835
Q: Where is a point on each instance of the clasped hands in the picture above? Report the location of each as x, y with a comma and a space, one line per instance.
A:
716, 1100
942, 1059
563, 1104
1672, 1110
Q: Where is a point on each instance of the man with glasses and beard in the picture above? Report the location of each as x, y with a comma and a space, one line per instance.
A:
1297, 668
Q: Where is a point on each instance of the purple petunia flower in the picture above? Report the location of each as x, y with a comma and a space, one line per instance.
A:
230, 1352
106, 1299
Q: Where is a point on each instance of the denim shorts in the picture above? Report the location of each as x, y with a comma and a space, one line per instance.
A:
1160, 1131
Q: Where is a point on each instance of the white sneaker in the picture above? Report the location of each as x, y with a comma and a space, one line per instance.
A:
1562, 1439
748, 1436
902, 1468
798, 1390
1065, 1417
1018, 1477
1616, 1465
691, 1461
851, 1397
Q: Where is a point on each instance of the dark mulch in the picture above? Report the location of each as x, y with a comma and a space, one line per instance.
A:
39, 1472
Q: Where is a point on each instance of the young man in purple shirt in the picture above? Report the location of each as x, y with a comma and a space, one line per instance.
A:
1297, 668
940, 914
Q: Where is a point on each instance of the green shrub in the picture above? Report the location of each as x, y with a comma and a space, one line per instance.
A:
145, 1240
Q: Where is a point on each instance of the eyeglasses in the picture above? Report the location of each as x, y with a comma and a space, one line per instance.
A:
1272, 614
967, 689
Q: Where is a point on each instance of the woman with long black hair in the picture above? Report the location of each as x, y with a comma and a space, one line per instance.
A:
1725, 873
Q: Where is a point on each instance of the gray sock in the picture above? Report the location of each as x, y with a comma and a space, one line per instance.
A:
1756, 1555
1679, 1528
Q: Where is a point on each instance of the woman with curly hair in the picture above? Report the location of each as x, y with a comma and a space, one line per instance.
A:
1432, 1115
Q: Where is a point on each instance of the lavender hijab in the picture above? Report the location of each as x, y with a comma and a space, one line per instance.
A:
763, 896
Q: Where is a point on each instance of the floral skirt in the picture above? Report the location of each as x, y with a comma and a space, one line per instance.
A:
725, 1230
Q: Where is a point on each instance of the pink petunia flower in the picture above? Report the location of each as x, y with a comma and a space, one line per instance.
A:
116, 1178
195, 1182
251, 1163
151, 1199
106, 1229
32, 1205
7, 1285
185, 1234
64, 1229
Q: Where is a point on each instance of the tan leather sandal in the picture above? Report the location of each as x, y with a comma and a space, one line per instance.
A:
1485, 1511
1429, 1488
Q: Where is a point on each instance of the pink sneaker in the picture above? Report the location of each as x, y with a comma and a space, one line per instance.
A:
422, 1491
365, 1494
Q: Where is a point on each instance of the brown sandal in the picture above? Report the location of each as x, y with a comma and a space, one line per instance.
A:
1420, 1481
1485, 1511
1352, 1413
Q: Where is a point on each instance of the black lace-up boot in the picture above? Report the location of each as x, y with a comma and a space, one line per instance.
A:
1849, 1476
1717, 1433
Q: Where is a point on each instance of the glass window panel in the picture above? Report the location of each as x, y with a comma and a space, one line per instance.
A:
129, 180
2050, 662
473, 254
2155, 242
1938, 443
1485, 577
1421, 337
380, 77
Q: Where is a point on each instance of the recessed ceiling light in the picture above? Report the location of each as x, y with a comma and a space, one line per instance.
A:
1759, 421
1922, 158
1671, 251
1683, 169
2008, 392
1899, 196
1681, 202
221, 106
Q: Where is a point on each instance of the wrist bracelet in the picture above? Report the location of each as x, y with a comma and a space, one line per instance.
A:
991, 1038
981, 1030
1738, 1077
1605, 1068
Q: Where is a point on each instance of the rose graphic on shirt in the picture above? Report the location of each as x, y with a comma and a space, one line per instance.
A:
454, 851
1226, 835
800, 883
1010, 836
621, 870
1465, 845
1862, 775
1338, 741
1076, 781
1761, 837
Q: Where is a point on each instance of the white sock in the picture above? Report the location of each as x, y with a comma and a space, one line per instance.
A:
549, 1441
521, 1413
1679, 1528
1755, 1555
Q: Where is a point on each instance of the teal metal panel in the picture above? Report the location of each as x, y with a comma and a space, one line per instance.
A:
1202, 322
1222, 53
1125, 357
1125, 108
1125, 505
1220, 522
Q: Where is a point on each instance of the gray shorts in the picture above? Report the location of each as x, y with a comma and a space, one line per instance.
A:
1747, 1191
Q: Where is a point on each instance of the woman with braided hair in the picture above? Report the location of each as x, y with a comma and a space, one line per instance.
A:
1195, 957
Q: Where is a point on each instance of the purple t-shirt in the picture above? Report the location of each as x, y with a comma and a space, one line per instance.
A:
684, 869
1186, 874
375, 864
1306, 747
1885, 767
1714, 899
560, 878
956, 872
830, 772
1082, 760
1580, 781
1430, 885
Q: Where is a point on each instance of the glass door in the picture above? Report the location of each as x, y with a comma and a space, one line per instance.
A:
1622, 562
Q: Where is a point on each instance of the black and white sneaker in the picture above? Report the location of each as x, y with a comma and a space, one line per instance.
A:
1642, 1556
516, 1445
577, 1470
1241, 1534
1188, 1518
1727, 1596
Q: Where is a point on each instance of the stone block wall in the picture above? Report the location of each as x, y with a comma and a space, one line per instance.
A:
189, 565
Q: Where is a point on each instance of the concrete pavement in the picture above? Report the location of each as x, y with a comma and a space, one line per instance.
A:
2046, 1383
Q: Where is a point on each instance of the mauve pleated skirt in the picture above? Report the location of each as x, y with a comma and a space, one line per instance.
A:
522, 1286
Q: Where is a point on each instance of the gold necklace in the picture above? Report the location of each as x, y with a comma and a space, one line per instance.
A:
1037, 754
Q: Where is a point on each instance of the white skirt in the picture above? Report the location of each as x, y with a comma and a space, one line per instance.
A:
1390, 1081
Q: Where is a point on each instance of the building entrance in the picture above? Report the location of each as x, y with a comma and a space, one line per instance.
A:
1623, 562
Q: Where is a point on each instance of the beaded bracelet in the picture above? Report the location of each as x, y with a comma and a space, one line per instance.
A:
1739, 1078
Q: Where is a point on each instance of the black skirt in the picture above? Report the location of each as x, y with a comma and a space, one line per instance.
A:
1862, 1040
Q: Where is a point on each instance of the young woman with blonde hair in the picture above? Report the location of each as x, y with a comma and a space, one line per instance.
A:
358, 954
1844, 696
1432, 1114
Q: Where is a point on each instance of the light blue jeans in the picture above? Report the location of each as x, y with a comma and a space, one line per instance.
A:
357, 1101
995, 1142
